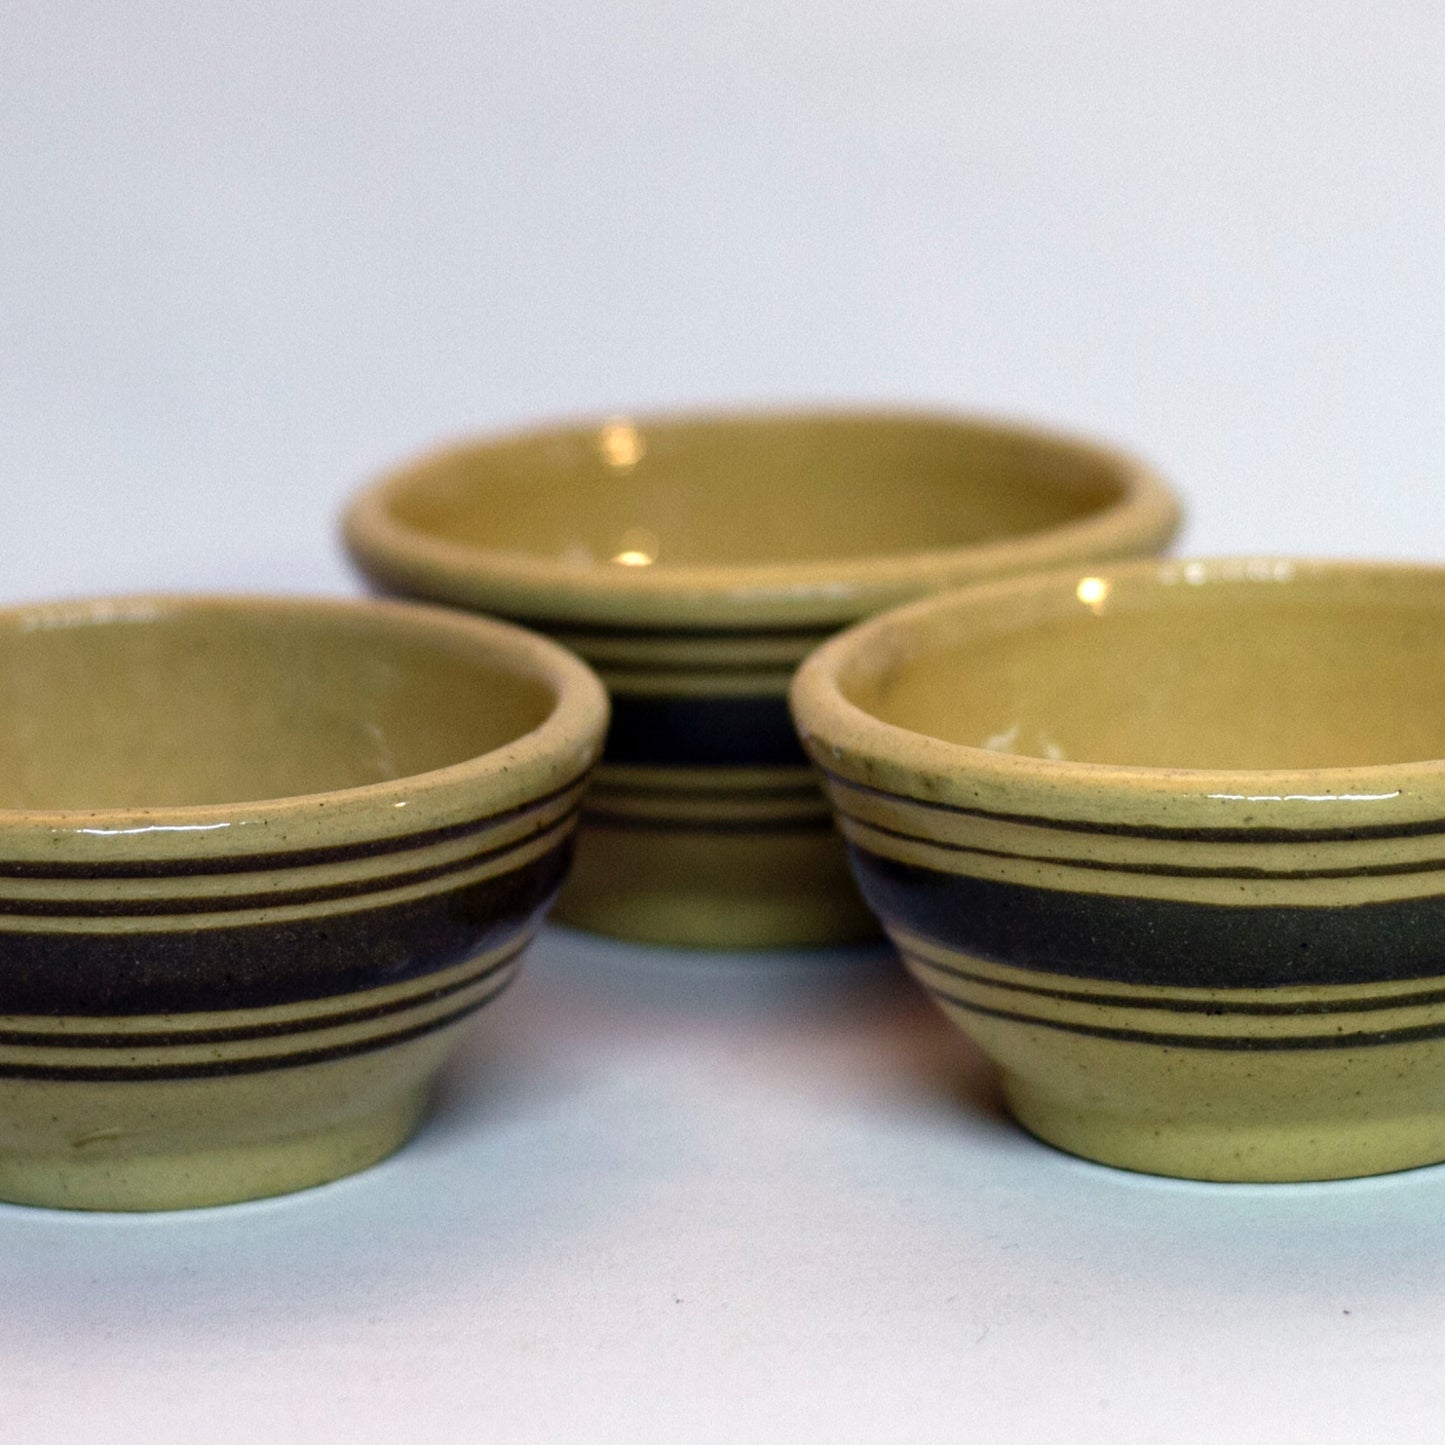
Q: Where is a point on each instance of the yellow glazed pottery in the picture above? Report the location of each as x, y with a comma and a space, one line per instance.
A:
1168, 841
694, 563
259, 860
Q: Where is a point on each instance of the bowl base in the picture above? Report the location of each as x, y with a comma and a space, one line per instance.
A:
738, 889
1266, 1085
1231, 1151
110, 1172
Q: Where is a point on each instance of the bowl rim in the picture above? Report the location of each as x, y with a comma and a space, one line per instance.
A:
549, 759
861, 750
710, 597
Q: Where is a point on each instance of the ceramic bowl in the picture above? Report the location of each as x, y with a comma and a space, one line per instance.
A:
1168, 841
259, 861
694, 562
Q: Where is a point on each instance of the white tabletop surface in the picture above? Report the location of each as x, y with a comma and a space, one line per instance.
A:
251, 253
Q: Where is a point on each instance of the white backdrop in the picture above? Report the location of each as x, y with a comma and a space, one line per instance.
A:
251, 253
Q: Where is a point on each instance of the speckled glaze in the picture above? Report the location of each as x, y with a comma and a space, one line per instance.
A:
694, 562
259, 862
1168, 841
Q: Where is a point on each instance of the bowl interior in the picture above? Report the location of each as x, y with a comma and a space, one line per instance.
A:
1299, 673
765, 490
155, 707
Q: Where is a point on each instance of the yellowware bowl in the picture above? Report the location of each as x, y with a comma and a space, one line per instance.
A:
1168, 841
694, 562
259, 860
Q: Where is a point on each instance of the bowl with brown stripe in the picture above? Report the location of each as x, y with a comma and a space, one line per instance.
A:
1168, 842
694, 561
260, 861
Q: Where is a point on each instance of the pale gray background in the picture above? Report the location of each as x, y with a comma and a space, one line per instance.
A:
251, 253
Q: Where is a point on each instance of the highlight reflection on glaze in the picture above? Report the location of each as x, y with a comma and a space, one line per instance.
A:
621, 445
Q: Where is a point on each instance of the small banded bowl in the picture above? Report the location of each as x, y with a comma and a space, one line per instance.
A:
694, 562
259, 860
1168, 841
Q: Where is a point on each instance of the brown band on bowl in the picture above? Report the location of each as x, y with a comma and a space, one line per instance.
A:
1159, 941
147, 970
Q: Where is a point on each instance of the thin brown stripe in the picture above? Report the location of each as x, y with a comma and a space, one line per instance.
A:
280, 858
743, 793
1183, 1005
578, 637
646, 823
219, 1068
1153, 870
1431, 829
235, 903
611, 665
1235, 1043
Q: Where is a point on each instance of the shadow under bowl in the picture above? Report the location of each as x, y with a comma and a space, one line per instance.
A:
694, 562
259, 861
1168, 841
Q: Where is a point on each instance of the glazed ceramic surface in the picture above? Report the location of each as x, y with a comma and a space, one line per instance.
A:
694, 563
259, 861
1168, 841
